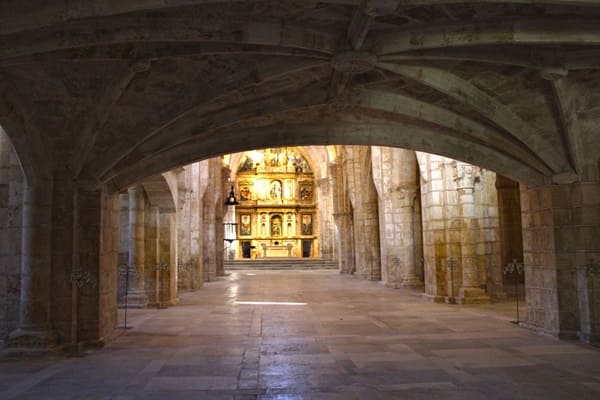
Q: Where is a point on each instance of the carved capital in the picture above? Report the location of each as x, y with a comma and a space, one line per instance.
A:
405, 194
466, 175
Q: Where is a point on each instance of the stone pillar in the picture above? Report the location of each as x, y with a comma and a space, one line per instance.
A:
184, 229
395, 176
174, 261
342, 217
136, 295
166, 248
366, 217
219, 239
511, 237
404, 218
11, 219
151, 256
434, 196
200, 183
208, 238
95, 276
325, 217
212, 206
489, 246
369, 261
123, 229
221, 175
470, 290
34, 317
561, 240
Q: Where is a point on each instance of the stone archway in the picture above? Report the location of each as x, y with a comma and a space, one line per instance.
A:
97, 98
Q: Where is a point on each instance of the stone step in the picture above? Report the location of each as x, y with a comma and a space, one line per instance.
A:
281, 263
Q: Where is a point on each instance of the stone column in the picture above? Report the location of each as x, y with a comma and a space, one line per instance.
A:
435, 249
404, 219
211, 201
174, 261
166, 247
11, 203
221, 175
96, 248
365, 212
470, 290
342, 217
561, 240
184, 232
34, 318
325, 218
208, 235
151, 255
511, 237
136, 295
395, 177
369, 266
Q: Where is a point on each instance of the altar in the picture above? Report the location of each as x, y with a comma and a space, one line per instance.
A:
270, 250
277, 215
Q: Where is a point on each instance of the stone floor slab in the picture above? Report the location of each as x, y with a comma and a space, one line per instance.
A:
314, 335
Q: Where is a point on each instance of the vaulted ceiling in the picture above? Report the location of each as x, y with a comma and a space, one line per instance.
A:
115, 91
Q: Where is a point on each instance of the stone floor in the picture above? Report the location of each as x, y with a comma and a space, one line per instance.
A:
314, 335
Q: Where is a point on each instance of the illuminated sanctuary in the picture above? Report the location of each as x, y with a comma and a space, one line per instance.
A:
277, 211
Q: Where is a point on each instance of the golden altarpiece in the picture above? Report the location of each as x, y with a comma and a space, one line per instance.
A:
276, 214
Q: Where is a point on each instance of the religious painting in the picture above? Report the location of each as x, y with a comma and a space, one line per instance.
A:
306, 192
307, 227
276, 225
245, 225
275, 192
245, 193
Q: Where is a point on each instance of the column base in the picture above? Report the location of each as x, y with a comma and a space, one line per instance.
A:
136, 300
412, 283
472, 296
593, 338
500, 296
168, 303
559, 334
406, 284
38, 339
434, 298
